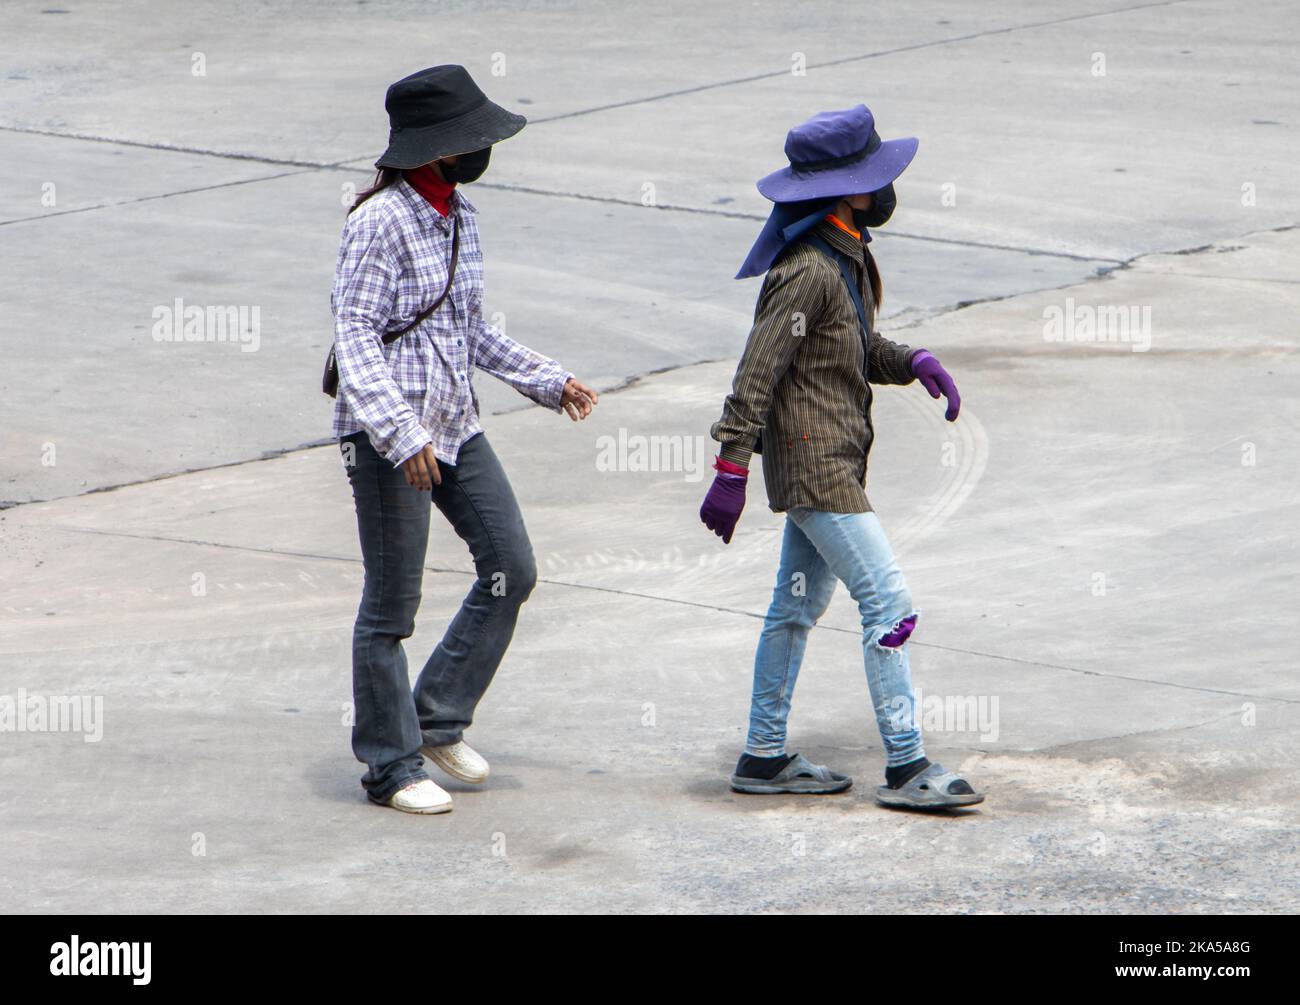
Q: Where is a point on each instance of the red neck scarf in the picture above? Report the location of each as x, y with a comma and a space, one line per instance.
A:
438, 192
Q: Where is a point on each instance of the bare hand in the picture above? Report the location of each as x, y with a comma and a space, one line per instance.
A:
578, 399
421, 470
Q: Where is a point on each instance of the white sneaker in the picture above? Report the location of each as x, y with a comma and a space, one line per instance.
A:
421, 797
460, 760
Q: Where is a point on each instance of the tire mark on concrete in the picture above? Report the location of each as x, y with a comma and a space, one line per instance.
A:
972, 455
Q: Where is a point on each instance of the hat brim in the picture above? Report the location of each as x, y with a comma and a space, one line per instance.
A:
482, 127
882, 166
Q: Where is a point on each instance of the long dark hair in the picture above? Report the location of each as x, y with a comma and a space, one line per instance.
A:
384, 177
873, 277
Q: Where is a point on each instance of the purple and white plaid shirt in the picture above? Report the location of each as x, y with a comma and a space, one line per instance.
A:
392, 265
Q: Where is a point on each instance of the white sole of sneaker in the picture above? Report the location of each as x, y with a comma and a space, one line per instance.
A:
423, 812
428, 811
431, 811
452, 770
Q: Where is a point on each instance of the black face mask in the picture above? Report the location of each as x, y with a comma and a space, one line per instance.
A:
468, 167
882, 206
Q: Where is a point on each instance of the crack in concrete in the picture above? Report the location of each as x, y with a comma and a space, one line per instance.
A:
1092, 741
309, 167
266, 455
623, 385
149, 198
916, 46
443, 570
845, 60
760, 218
1231, 279
171, 147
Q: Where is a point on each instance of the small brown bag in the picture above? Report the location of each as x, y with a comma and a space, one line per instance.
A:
330, 380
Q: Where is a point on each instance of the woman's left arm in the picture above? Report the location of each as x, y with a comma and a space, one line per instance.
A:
530, 373
890, 362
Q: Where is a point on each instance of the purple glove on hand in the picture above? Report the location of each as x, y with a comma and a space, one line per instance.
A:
725, 499
936, 380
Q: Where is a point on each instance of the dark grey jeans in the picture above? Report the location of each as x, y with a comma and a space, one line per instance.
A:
393, 520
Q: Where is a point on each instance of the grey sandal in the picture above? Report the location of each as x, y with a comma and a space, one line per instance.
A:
799, 776
929, 791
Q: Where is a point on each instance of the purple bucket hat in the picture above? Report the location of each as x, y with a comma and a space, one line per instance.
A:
837, 154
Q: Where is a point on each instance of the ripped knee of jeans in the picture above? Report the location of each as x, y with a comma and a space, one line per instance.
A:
898, 634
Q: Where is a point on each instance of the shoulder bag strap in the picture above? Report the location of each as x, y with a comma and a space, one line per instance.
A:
846, 273
390, 337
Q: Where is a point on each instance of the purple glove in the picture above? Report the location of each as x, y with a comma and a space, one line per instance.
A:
725, 499
936, 380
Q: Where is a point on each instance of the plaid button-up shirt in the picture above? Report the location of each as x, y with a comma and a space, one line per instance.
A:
392, 264
804, 382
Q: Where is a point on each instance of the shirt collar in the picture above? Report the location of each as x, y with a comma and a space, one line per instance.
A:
841, 240
426, 214
835, 221
460, 197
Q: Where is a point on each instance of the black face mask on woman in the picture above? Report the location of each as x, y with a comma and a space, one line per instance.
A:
881, 209
468, 167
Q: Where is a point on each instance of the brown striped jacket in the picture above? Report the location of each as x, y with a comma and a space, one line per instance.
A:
800, 384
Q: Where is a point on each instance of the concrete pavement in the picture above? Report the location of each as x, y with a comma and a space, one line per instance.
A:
1136, 741
1102, 547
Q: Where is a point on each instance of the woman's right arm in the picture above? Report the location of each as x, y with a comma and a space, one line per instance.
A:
790, 301
365, 291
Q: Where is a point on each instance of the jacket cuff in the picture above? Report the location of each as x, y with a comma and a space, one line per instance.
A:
728, 468
736, 454
909, 357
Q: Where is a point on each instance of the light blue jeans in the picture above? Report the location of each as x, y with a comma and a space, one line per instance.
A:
818, 549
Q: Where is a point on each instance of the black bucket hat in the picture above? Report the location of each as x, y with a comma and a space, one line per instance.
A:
440, 112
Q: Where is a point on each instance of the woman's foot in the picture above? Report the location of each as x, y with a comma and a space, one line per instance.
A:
796, 774
459, 760
933, 787
423, 796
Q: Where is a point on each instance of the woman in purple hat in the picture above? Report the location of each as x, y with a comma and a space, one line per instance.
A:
802, 397
409, 331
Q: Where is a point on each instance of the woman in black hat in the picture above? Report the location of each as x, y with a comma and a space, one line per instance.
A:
409, 331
